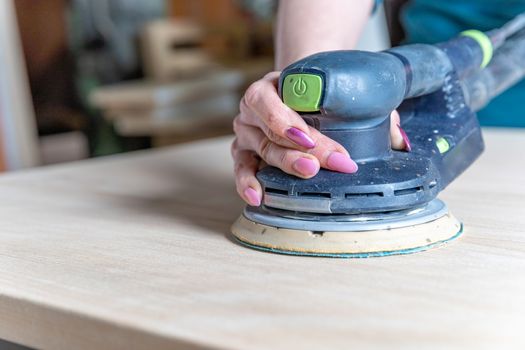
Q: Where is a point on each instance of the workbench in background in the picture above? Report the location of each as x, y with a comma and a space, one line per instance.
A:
133, 252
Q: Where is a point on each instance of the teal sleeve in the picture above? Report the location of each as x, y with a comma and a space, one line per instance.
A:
430, 21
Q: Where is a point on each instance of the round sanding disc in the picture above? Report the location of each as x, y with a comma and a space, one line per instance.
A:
348, 244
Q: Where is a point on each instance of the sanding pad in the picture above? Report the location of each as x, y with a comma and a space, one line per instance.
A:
355, 239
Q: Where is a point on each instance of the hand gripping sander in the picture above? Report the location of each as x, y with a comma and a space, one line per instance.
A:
389, 205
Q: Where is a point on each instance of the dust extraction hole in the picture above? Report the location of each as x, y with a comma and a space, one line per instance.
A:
317, 233
363, 195
314, 194
276, 191
406, 191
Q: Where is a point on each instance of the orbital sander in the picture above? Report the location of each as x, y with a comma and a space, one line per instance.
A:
389, 205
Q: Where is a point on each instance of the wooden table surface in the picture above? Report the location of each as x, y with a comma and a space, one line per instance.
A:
132, 252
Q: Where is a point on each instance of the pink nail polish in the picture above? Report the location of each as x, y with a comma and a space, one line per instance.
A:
300, 138
252, 196
342, 163
305, 166
408, 147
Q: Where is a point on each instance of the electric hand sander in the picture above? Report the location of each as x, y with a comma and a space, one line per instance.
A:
389, 205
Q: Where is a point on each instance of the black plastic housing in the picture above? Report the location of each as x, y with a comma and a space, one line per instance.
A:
386, 180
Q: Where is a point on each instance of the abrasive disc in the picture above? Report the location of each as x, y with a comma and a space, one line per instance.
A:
355, 238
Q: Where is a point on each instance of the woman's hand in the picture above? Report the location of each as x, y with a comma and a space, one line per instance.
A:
268, 130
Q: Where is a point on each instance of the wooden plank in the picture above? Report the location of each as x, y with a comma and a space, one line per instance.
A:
143, 94
172, 49
190, 118
221, 103
133, 252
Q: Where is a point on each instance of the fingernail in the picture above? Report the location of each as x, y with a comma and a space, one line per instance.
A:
300, 138
342, 163
305, 166
252, 196
408, 147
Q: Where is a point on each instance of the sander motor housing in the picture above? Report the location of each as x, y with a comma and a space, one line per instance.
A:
349, 95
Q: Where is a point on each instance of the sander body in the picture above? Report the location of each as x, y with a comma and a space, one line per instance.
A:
389, 205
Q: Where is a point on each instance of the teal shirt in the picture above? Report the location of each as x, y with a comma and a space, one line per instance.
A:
430, 21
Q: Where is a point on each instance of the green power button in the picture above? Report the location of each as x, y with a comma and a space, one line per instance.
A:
302, 92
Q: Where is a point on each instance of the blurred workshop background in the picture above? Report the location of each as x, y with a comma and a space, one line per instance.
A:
87, 78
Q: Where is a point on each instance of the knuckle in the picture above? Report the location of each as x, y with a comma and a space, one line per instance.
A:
236, 124
245, 164
238, 167
271, 75
243, 107
272, 119
272, 135
323, 150
284, 159
268, 75
265, 147
251, 96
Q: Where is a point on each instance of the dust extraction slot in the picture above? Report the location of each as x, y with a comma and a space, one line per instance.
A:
406, 191
275, 191
363, 195
314, 194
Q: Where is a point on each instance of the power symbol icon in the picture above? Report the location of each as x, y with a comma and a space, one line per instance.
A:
300, 87
302, 91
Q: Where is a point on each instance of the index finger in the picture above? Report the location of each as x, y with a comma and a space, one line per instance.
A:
277, 120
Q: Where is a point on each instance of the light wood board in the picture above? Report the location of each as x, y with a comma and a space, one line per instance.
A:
148, 94
132, 252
